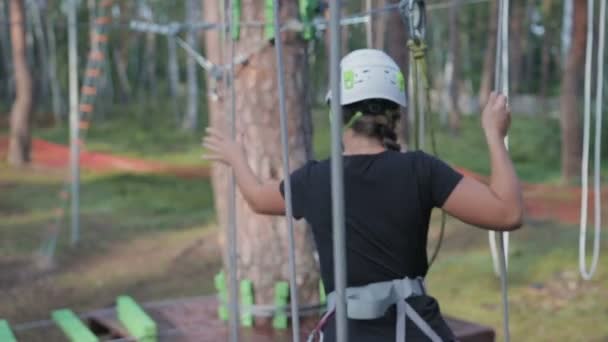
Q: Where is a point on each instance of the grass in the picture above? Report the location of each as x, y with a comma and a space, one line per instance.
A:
154, 236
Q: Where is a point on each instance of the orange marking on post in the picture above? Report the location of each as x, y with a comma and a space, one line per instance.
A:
86, 108
100, 38
86, 90
93, 72
84, 124
97, 56
103, 20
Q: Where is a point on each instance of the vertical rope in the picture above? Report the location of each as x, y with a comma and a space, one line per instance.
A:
295, 318
337, 174
588, 274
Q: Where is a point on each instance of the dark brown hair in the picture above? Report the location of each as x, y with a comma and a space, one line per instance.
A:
378, 121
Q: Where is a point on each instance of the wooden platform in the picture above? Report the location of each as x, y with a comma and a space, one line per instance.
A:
195, 320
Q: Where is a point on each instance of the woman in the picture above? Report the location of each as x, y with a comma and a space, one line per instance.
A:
389, 197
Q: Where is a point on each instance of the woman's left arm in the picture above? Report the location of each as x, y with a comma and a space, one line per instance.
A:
262, 197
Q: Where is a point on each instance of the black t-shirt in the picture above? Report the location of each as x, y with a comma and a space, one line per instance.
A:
388, 200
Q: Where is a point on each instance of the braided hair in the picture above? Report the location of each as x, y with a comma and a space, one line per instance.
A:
378, 121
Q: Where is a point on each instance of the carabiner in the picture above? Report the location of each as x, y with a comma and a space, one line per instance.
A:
413, 14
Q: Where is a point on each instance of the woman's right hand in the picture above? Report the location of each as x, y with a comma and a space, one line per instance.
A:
496, 116
221, 148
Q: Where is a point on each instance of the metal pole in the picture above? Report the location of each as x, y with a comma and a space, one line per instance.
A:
501, 83
74, 118
337, 174
232, 235
295, 318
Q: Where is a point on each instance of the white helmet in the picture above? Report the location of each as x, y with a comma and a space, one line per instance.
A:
370, 74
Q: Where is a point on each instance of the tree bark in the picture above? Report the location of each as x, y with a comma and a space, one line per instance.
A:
454, 60
173, 74
262, 240
548, 40
570, 89
517, 41
487, 77
55, 86
396, 47
20, 135
191, 116
6, 49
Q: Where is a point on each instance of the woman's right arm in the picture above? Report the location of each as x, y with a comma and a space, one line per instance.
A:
499, 205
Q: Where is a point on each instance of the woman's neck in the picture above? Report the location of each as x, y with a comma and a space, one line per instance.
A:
356, 144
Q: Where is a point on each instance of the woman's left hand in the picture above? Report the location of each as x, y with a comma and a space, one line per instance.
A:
221, 148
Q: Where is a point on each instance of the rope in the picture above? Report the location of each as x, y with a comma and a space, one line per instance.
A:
295, 324
587, 274
419, 68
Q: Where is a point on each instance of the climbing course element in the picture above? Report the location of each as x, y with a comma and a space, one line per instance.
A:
501, 84
281, 296
235, 23
222, 295
6, 334
587, 274
269, 31
308, 9
247, 303
80, 122
413, 14
72, 326
136, 320
295, 326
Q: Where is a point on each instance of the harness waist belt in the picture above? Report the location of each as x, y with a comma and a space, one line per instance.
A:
371, 302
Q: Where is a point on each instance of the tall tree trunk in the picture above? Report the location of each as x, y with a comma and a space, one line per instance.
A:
54, 79
517, 39
262, 240
151, 61
487, 76
6, 49
191, 116
379, 25
43, 55
20, 135
548, 40
570, 109
173, 72
395, 41
566, 37
454, 60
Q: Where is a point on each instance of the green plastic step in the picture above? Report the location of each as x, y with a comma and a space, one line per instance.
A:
72, 326
137, 322
6, 335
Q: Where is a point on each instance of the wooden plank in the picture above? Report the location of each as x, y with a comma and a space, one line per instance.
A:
72, 326
470, 332
6, 334
139, 324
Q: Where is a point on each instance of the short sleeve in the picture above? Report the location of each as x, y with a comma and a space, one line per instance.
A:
300, 183
439, 179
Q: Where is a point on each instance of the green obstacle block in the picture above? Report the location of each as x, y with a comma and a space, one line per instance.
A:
72, 326
136, 320
322, 295
269, 19
6, 335
222, 295
281, 295
235, 27
246, 291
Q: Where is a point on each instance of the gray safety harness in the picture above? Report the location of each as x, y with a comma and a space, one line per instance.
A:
372, 301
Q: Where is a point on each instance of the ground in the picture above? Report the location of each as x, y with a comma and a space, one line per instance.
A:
153, 236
